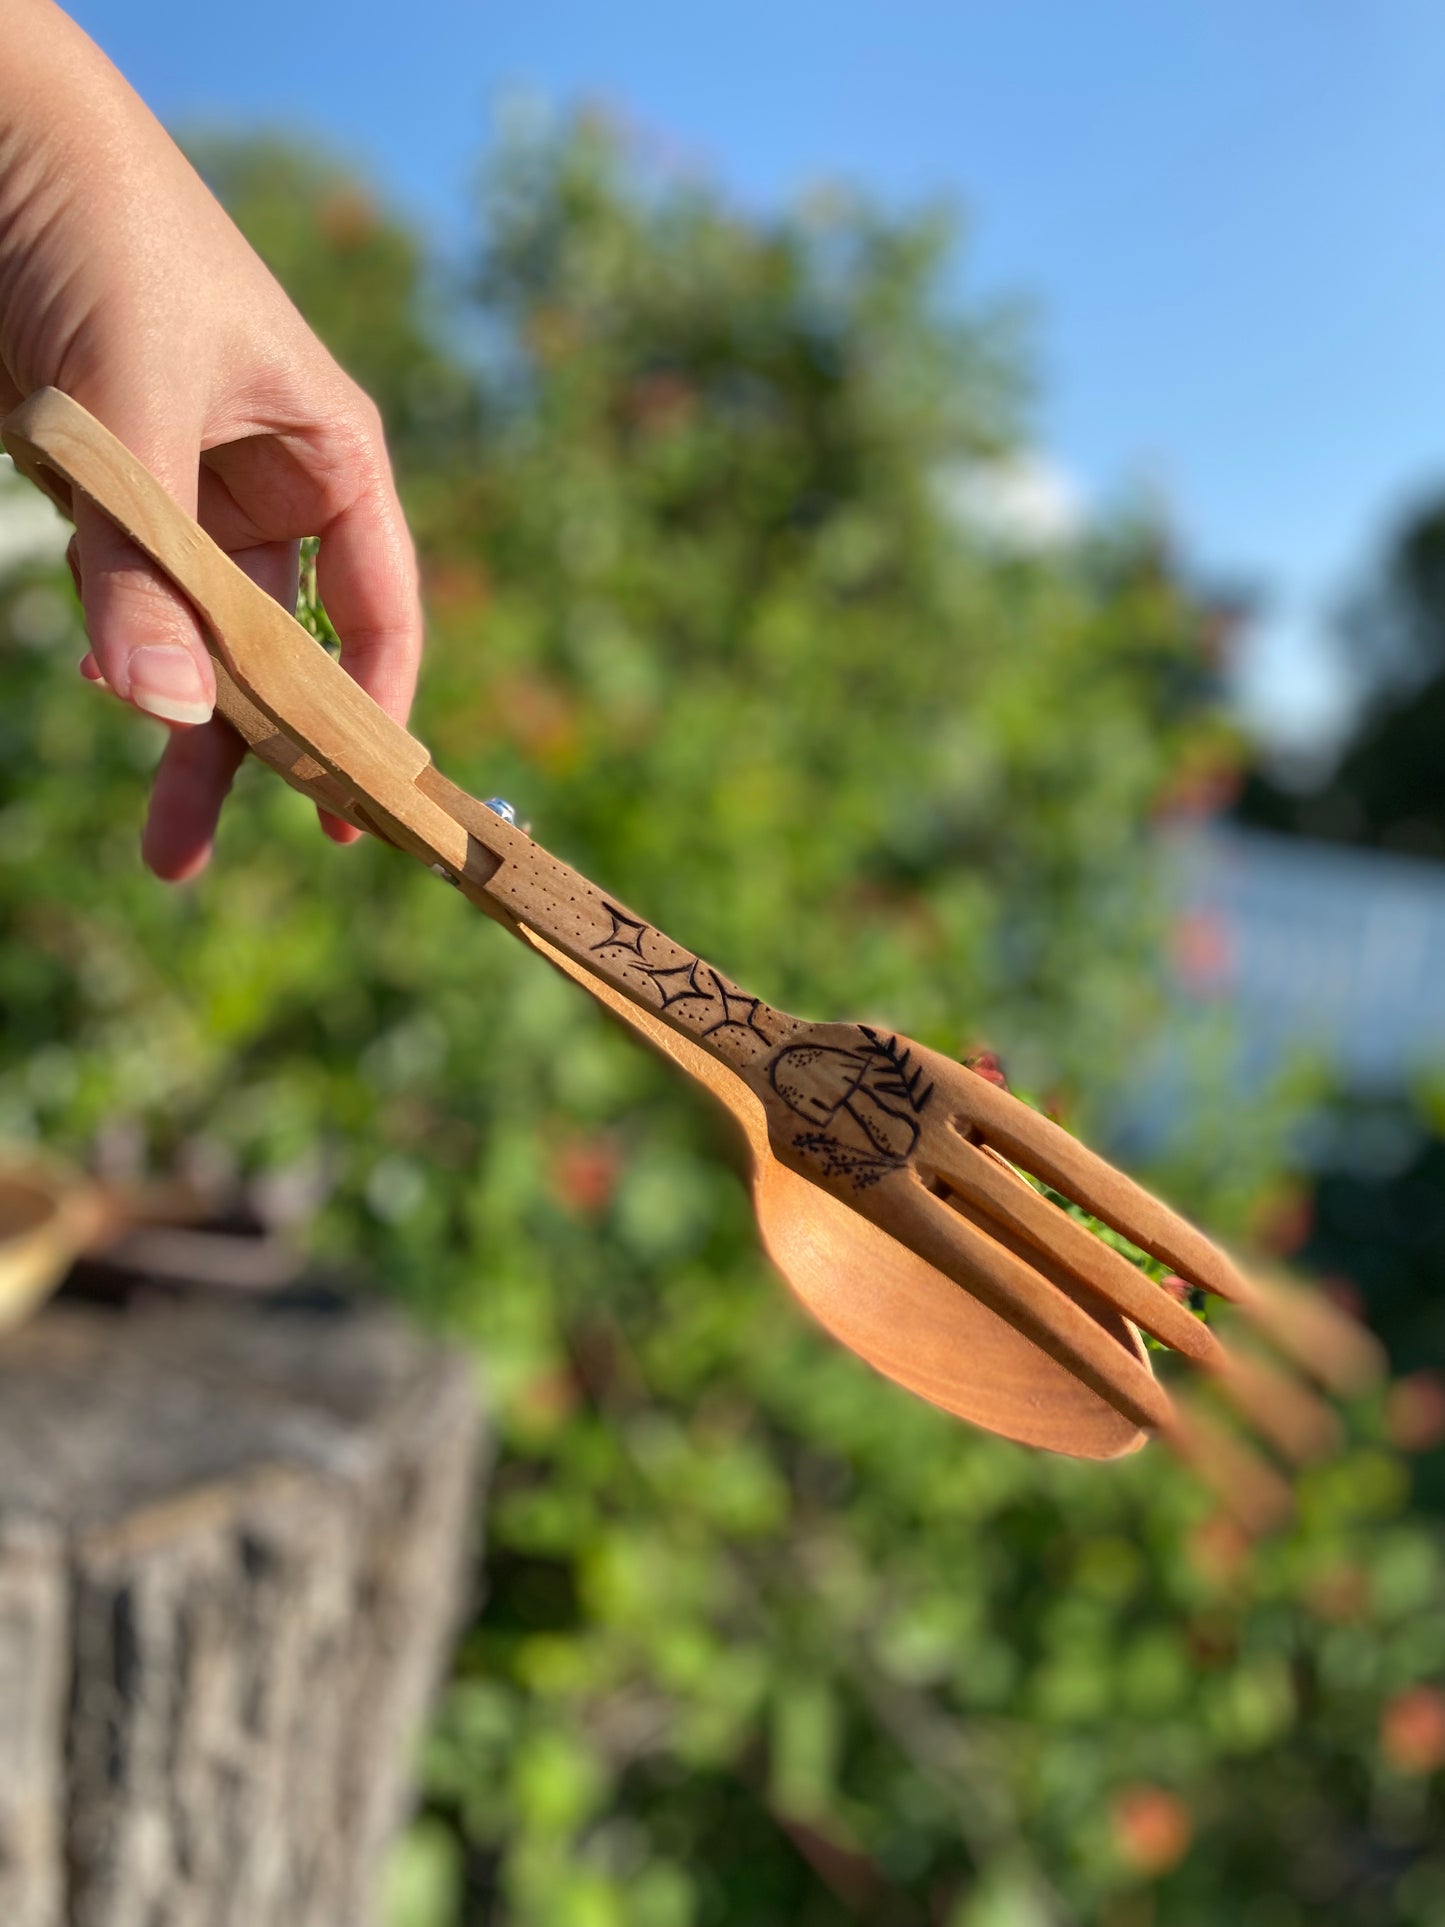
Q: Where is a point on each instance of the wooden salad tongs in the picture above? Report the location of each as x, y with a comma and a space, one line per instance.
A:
888, 1180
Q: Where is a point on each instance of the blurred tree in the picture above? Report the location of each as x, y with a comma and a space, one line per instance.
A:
765, 1640
361, 277
1380, 1228
1387, 789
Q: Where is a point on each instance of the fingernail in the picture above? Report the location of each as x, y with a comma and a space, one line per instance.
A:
165, 681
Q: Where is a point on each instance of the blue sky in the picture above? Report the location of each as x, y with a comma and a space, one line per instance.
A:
1229, 217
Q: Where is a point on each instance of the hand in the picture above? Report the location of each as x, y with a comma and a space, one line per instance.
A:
123, 282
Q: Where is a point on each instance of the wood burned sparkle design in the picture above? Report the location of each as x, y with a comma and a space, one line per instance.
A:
717, 1005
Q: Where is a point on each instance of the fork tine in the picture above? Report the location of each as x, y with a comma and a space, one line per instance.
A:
1287, 1413
961, 1250
1325, 1342
991, 1186
1281, 1410
1049, 1152
1251, 1490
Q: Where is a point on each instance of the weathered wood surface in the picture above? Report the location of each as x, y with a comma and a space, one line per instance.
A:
234, 1543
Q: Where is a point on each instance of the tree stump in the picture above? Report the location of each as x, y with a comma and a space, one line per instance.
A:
234, 1543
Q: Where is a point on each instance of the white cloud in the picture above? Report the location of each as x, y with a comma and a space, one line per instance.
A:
1022, 501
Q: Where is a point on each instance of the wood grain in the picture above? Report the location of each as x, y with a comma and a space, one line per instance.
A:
234, 1543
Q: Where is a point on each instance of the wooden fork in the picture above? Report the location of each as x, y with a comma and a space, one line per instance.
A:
886, 1177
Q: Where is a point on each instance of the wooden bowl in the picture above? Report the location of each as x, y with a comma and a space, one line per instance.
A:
47, 1216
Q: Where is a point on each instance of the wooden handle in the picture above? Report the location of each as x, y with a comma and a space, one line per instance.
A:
301, 712
256, 729
290, 762
277, 670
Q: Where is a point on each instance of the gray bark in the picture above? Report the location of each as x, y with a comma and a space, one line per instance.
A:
234, 1543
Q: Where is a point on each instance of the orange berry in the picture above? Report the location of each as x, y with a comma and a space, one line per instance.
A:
1153, 1829
1415, 1411
1412, 1730
585, 1173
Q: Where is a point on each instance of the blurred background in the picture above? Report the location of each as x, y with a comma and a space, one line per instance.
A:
946, 509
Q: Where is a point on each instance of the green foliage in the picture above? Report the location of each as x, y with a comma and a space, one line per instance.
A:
764, 1639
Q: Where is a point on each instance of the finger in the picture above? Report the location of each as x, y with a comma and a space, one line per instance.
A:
144, 633
335, 481
337, 828
366, 573
276, 566
192, 780
199, 765
332, 478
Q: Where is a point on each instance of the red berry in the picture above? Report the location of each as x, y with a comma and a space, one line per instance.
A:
985, 1064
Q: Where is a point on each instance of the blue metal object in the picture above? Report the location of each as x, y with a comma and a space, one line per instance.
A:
501, 807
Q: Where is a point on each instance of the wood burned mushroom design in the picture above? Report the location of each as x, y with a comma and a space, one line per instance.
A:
864, 1103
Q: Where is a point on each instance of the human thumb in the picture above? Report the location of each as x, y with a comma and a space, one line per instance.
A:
145, 636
